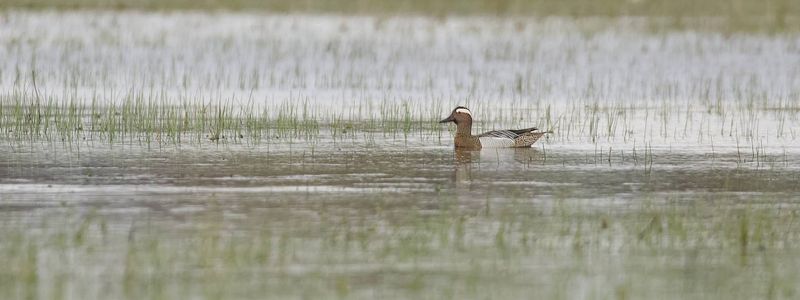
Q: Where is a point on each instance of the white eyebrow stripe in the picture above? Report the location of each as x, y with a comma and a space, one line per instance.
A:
464, 110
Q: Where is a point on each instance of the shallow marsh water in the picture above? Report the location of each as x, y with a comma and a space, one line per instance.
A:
403, 219
671, 173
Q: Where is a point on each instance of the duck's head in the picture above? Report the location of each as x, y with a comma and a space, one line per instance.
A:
459, 115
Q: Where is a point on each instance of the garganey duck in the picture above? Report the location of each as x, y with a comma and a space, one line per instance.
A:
518, 138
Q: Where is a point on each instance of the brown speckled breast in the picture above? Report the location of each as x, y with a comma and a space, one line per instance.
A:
467, 142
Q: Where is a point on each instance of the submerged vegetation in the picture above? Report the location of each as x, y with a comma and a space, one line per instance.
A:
377, 247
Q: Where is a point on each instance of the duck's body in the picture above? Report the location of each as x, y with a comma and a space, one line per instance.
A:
492, 139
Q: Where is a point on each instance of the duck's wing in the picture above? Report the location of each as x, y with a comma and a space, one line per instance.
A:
508, 134
498, 139
509, 138
504, 134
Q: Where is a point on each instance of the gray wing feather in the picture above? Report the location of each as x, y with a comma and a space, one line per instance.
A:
509, 138
500, 134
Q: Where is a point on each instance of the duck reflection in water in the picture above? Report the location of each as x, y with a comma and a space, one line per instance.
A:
495, 159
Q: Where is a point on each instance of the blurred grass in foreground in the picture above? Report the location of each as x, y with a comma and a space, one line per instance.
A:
745, 8
772, 15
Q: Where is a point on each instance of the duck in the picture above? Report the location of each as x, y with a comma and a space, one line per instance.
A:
513, 138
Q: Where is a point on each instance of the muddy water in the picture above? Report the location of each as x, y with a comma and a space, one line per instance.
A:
410, 218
